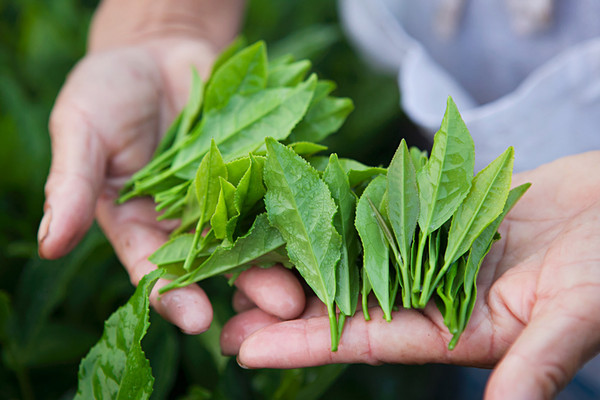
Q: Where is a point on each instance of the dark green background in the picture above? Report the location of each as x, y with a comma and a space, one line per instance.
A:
51, 312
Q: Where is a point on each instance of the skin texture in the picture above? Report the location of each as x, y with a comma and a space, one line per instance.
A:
105, 125
536, 318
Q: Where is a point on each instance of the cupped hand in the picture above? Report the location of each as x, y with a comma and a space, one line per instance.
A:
105, 125
536, 318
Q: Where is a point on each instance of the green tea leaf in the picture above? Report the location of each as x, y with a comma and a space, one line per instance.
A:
446, 178
238, 44
261, 241
251, 189
322, 119
419, 157
236, 169
288, 74
307, 149
300, 206
116, 368
224, 210
244, 73
375, 249
481, 246
175, 250
482, 206
403, 202
207, 183
241, 126
346, 295
357, 171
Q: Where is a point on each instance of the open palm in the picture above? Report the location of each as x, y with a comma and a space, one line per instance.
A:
106, 123
536, 317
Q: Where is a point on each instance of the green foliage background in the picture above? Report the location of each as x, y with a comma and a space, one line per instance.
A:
52, 312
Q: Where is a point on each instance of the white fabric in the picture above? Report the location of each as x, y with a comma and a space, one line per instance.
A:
539, 92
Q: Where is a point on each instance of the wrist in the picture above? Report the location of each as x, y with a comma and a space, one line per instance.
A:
125, 22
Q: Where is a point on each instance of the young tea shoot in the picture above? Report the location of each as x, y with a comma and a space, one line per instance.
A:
240, 168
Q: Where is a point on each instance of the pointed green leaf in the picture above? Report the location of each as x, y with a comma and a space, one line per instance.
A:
238, 44
347, 280
357, 172
251, 189
175, 250
307, 149
300, 205
419, 157
446, 178
403, 199
241, 126
116, 368
244, 73
288, 74
236, 169
322, 119
261, 240
483, 205
375, 249
207, 183
224, 210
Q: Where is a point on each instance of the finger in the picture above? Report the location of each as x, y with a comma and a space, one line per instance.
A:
241, 302
274, 290
241, 326
548, 353
101, 125
76, 175
411, 337
135, 234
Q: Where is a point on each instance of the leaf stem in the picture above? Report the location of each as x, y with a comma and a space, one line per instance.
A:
193, 248
333, 326
416, 288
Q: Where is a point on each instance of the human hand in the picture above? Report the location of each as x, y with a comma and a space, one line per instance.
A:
106, 124
536, 317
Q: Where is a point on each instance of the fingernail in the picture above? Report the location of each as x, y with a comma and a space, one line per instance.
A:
242, 365
44, 226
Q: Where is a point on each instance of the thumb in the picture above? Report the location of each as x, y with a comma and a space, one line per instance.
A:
548, 353
76, 176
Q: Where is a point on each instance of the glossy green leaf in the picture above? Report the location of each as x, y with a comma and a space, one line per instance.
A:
446, 178
376, 259
322, 119
346, 295
234, 47
241, 126
251, 189
207, 183
288, 74
403, 204
357, 172
224, 210
481, 207
481, 246
300, 206
419, 157
260, 243
116, 368
236, 169
173, 251
243, 73
307, 149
